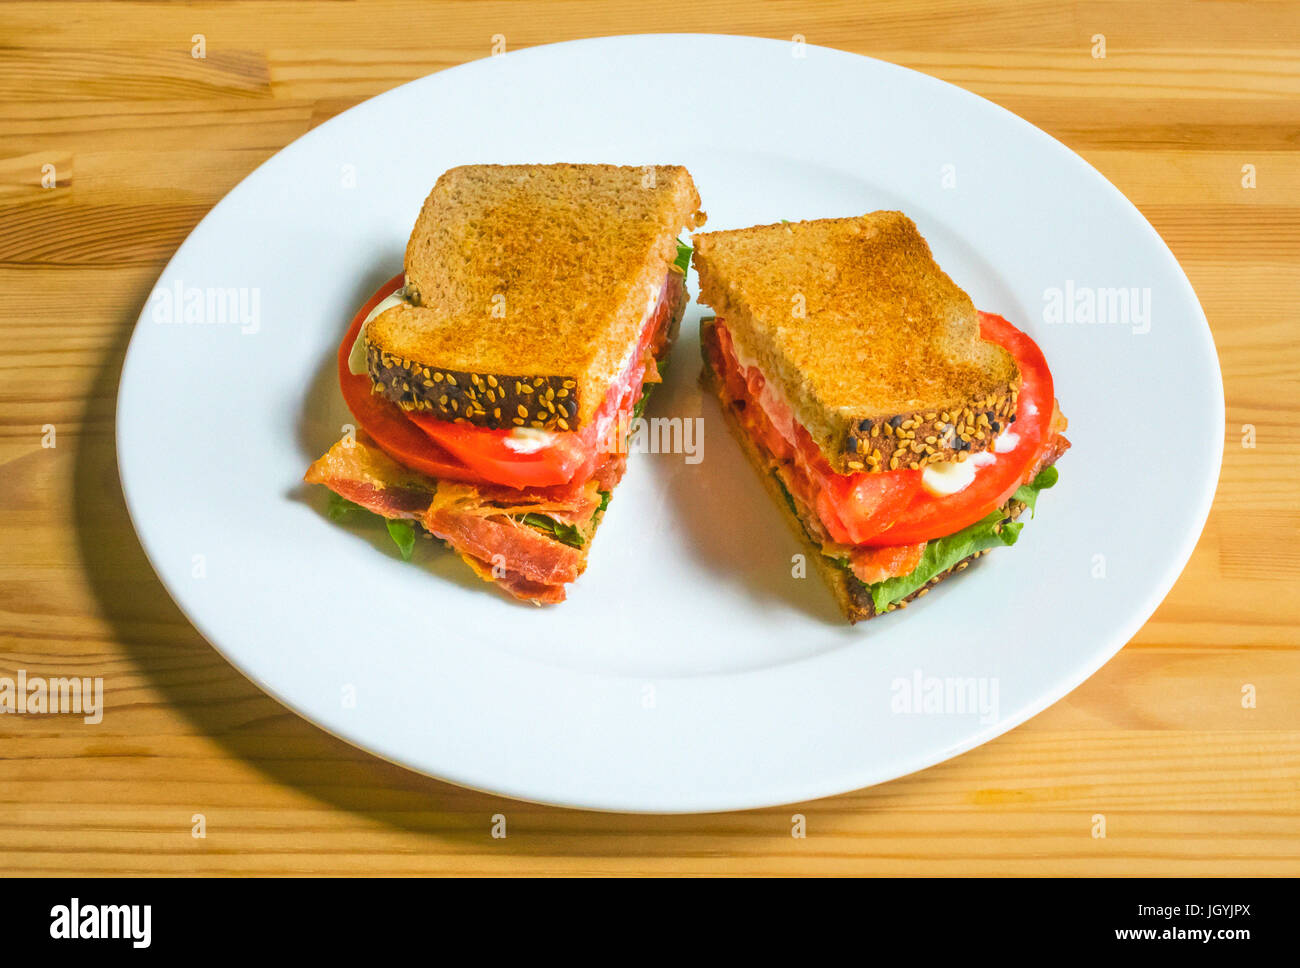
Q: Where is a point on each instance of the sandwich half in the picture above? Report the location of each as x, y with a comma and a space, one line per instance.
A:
903, 431
493, 382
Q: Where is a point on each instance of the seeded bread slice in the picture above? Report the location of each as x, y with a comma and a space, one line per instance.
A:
528, 285
852, 596
875, 349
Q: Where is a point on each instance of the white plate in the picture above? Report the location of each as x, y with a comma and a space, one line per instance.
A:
688, 671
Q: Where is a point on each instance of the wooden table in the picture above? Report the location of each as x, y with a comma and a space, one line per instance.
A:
144, 139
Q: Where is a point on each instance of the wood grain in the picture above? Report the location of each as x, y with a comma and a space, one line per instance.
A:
144, 139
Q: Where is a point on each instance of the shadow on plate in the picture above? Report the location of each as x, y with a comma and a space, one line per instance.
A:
721, 510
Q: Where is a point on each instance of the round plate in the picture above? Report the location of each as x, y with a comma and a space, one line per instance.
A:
690, 669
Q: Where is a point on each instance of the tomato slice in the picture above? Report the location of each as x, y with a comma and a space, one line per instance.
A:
851, 507
566, 458
451, 451
460, 451
385, 421
891, 508
929, 517
856, 506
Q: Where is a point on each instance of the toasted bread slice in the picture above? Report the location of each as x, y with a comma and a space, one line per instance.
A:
527, 288
852, 596
875, 349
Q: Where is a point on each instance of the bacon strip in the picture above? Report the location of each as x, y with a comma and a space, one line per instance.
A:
560, 497
499, 540
365, 475
877, 564
611, 472
1056, 446
517, 585
469, 499
528, 563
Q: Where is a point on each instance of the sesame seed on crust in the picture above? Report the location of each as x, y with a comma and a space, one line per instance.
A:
928, 437
484, 400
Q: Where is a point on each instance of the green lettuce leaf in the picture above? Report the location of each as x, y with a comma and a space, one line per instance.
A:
639, 408
943, 553
341, 509
564, 533
1027, 494
403, 535
683, 260
789, 499
344, 511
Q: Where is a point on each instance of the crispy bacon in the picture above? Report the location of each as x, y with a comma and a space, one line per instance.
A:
517, 585
499, 540
479, 519
610, 472
651, 373
365, 475
877, 564
474, 520
470, 499
1057, 446
361, 472
561, 497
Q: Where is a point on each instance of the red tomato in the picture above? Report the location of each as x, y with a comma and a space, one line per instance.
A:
459, 451
485, 451
570, 455
385, 421
451, 451
929, 517
852, 507
856, 506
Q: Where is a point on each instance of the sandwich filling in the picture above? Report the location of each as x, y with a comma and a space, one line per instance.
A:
519, 506
895, 530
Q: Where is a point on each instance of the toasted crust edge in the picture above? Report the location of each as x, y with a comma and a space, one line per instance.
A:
494, 400
911, 441
867, 442
541, 402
